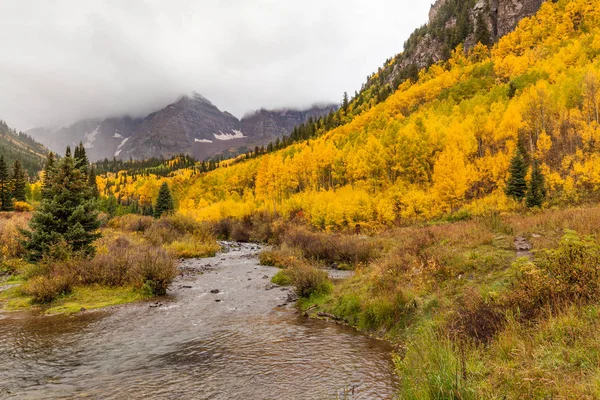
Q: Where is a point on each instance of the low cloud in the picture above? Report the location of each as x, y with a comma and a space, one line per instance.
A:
62, 61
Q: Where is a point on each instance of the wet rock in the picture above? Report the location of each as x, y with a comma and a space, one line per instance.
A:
215, 291
186, 287
154, 305
265, 276
218, 300
291, 297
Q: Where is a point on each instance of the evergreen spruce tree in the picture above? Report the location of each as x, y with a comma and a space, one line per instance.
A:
67, 216
345, 103
6, 203
19, 182
482, 33
93, 184
164, 202
81, 160
49, 170
536, 192
516, 186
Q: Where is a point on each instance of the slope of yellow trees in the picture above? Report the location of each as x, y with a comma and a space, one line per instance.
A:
435, 146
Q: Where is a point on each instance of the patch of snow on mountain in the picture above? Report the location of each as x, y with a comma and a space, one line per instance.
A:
117, 134
90, 138
229, 136
120, 146
202, 141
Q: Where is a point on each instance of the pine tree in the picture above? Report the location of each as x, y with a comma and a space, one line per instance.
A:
516, 186
482, 33
49, 171
345, 103
93, 184
164, 202
19, 182
536, 192
6, 203
81, 160
66, 217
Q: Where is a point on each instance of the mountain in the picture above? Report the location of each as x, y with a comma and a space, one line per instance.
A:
192, 125
451, 23
20, 146
269, 125
101, 138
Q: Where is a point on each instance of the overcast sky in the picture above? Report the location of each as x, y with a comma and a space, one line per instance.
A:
64, 60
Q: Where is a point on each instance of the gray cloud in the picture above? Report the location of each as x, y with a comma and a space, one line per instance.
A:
64, 60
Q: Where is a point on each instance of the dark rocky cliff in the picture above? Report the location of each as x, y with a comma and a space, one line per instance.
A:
451, 22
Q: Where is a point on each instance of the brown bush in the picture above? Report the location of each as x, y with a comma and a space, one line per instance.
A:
557, 278
10, 243
126, 263
278, 258
241, 230
154, 271
173, 227
44, 289
308, 280
332, 249
131, 223
477, 318
257, 227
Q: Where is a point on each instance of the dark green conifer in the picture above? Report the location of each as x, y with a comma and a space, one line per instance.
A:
164, 202
536, 192
67, 216
516, 187
92, 183
6, 203
482, 33
19, 182
81, 160
345, 102
49, 170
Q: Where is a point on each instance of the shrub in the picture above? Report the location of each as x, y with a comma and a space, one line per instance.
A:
192, 246
241, 229
110, 268
282, 278
10, 244
476, 318
154, 270
171, 228
309, 280
131, 223
330, 249
278, 258
22, 206
556, 278
44, 289
222, 228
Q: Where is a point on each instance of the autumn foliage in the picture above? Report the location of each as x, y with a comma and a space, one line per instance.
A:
438, 145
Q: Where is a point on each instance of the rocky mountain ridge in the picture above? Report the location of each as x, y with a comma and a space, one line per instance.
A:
192, 125
451, 23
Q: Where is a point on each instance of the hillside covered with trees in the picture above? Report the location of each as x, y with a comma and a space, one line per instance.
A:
436, 146
20, 146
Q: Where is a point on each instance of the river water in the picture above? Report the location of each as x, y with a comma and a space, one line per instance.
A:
240, 343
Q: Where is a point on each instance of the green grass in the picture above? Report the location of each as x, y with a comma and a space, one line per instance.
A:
281, 278
88, 297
